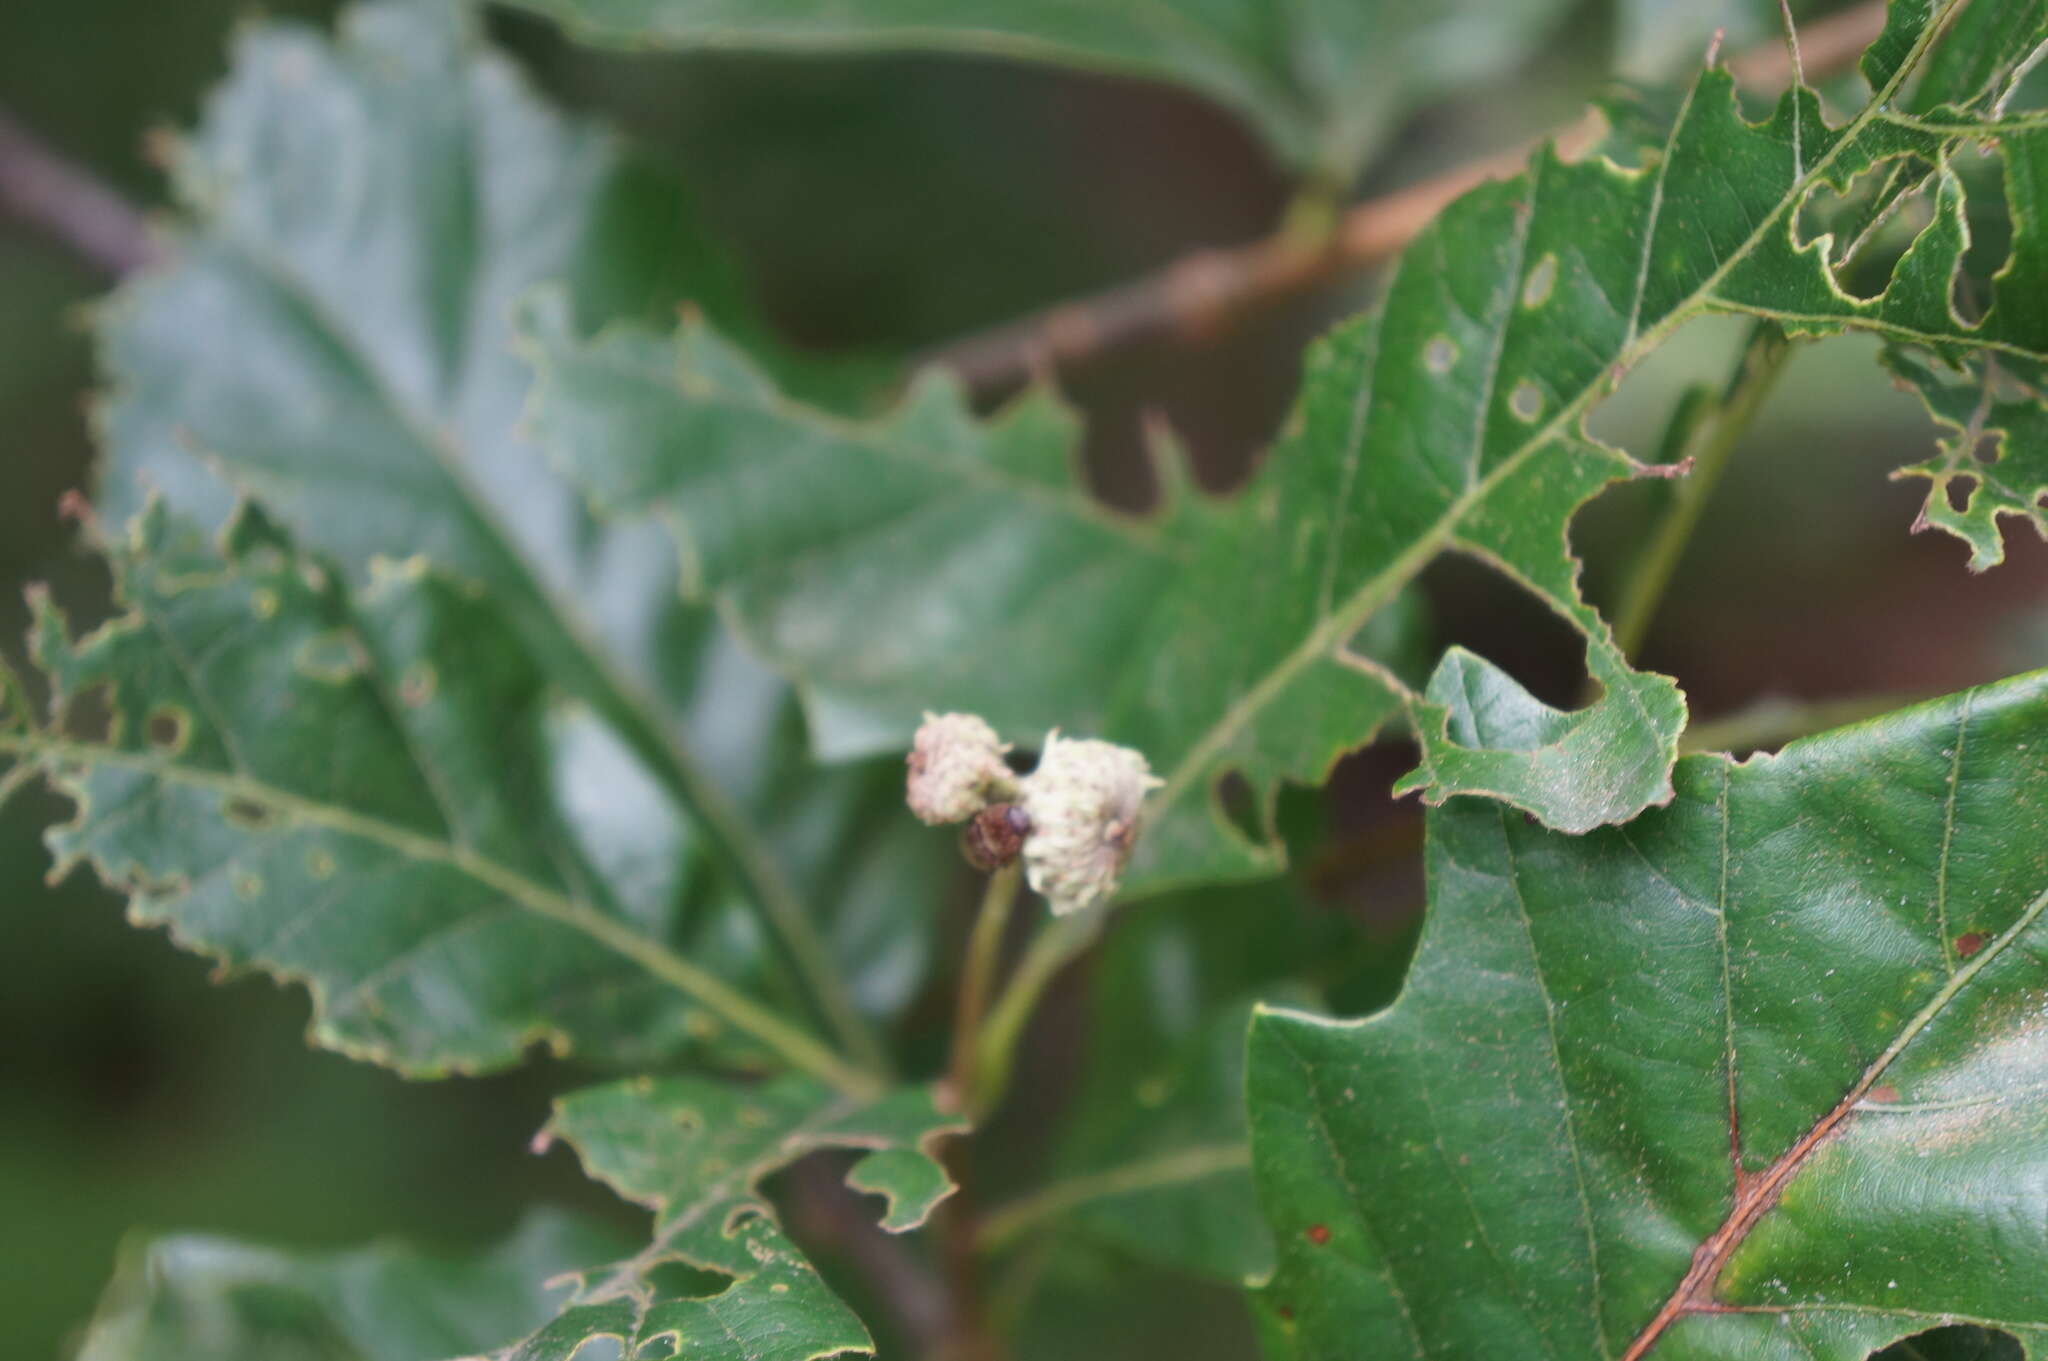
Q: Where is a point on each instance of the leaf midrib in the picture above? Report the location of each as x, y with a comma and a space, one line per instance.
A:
1377, 590
579, 659
794, 1045
1757, 1195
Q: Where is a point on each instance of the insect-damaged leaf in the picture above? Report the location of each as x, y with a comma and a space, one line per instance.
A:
333, 338
1760, 1074
695, 1151
1220, 638
376, 792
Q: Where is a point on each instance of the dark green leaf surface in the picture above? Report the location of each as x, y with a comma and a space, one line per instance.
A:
370, 792
1322, 80
1218, 638
695, 1151
192, 1298
1153, 1161
1759, 1075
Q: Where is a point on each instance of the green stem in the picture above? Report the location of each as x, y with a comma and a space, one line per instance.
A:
797, 1047
1708, 437
1004, 1226
977, 977
1048, 953
1774, 722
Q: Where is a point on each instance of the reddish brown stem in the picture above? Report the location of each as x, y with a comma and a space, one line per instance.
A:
1204, 294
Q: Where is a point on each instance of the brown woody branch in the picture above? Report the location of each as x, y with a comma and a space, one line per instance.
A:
1202, 295
69, 204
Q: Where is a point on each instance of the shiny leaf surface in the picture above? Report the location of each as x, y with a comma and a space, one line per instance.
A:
1757, 1075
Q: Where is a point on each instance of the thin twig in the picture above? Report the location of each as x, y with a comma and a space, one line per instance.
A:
977, 980
1203, 294
69, 204
1050, 951
1709, 440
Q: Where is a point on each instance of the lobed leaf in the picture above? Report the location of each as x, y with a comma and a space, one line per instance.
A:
695, 1151
1758, 1074
373, 792
333, 338
1220, 638
1322, 81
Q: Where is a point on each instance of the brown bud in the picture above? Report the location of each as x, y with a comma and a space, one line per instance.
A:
995, 836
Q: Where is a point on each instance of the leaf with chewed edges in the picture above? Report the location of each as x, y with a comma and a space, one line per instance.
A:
695, 1151
1223, 638
364, 791
333, 336
193, 1298
1762, 1074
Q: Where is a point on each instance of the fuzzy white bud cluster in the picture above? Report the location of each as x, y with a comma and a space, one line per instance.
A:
957, 769
1076, 814
1083, 802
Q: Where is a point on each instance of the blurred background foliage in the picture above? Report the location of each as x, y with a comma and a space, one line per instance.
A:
879, 206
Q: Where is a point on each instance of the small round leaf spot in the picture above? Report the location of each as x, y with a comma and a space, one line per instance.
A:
168, 729
1969, 943
320, 863
1318, 1234
264, 602
1439, 354
1542, 278
1525, 401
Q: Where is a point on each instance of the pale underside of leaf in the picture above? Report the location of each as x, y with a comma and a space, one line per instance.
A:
333, 338
362, 791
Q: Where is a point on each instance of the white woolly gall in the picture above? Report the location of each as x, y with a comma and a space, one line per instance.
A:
1083, 802
956, 769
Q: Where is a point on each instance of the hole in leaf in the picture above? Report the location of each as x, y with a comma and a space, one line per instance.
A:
1955, 1342
1477, 607
681, 1281
168, 729
608, 1348
1957, 490
1985, 450
657, 1348
1240, 805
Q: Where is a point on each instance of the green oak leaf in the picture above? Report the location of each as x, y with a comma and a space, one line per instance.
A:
372, 791
333, 337
1321, 80
194, 1298
695, 1151
1221, 637
1760, 1074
